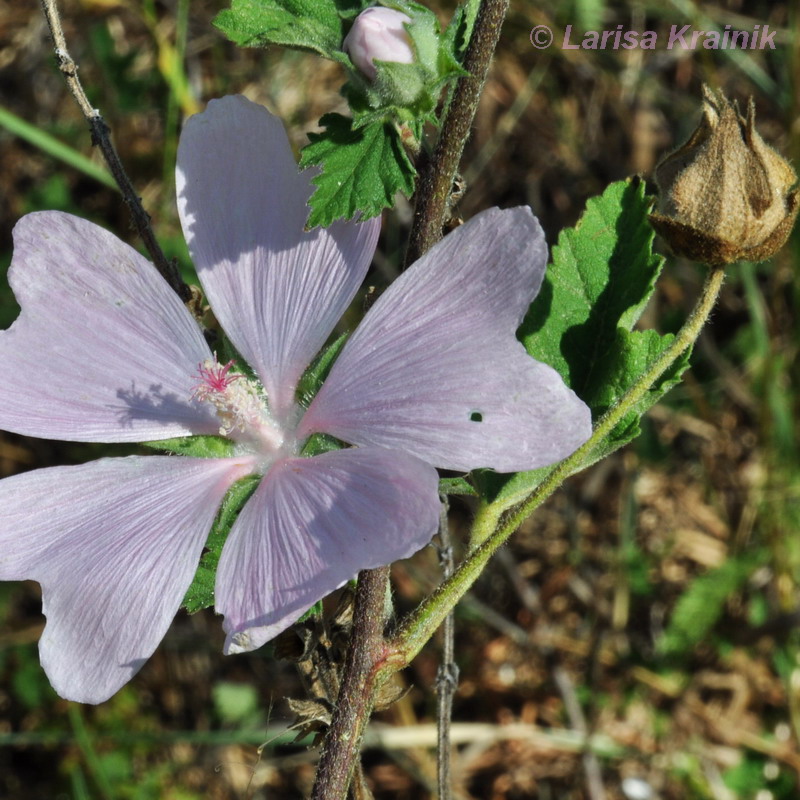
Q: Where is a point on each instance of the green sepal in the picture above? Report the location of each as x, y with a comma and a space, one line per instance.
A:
225, 352
195, 446
459, 31
201, 592
458, 485
396, 116
315, 375
314, 612
319, 443
362, 170
603, 273
307, 389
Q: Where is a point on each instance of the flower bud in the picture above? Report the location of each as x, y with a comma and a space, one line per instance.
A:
725, 195
379, 34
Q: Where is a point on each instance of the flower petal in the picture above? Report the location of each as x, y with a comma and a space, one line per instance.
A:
115, 544
312, 524
103, 350
276, 290
435, 368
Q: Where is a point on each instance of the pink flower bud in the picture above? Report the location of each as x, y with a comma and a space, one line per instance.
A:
378, 34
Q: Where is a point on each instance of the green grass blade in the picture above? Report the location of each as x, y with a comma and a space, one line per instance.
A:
53, 147
84, 741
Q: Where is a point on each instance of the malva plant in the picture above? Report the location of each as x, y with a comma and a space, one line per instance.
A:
311, 461
433, 377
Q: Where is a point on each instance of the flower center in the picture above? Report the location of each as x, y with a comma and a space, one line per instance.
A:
241, 406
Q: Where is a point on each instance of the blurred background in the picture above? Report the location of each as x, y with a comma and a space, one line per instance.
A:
638, 638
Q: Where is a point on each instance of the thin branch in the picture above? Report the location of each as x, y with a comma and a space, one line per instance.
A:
437, 175
447, 675
101, 136
591, 766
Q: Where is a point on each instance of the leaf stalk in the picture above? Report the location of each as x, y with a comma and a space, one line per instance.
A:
423, 622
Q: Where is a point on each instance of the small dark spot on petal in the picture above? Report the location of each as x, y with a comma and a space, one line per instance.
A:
476, 416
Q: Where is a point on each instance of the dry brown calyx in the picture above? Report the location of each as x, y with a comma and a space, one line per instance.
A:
725, 195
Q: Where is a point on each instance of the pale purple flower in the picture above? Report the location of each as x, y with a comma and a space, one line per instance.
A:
103, 351
378, 34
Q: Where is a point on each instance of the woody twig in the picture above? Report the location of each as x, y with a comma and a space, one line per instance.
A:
101, 136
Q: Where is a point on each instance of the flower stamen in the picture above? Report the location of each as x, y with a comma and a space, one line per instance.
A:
237, 399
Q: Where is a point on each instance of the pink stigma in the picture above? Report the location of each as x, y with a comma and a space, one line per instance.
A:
214, 377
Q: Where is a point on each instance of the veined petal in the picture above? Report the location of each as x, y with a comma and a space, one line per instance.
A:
312, 524
103, 351
115, 544
435, 368
276, 290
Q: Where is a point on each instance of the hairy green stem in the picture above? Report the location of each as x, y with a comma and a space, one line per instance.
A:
422, 623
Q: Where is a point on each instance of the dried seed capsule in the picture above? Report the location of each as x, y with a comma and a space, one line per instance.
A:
725, 195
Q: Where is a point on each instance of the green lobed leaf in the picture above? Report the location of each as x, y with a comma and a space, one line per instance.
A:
315, 25
201, 593
603, 273
362, 169
637, 349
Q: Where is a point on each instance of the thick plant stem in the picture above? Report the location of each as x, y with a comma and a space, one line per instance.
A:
364, 656
437, 175
102, 138
364, 669
422, 623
